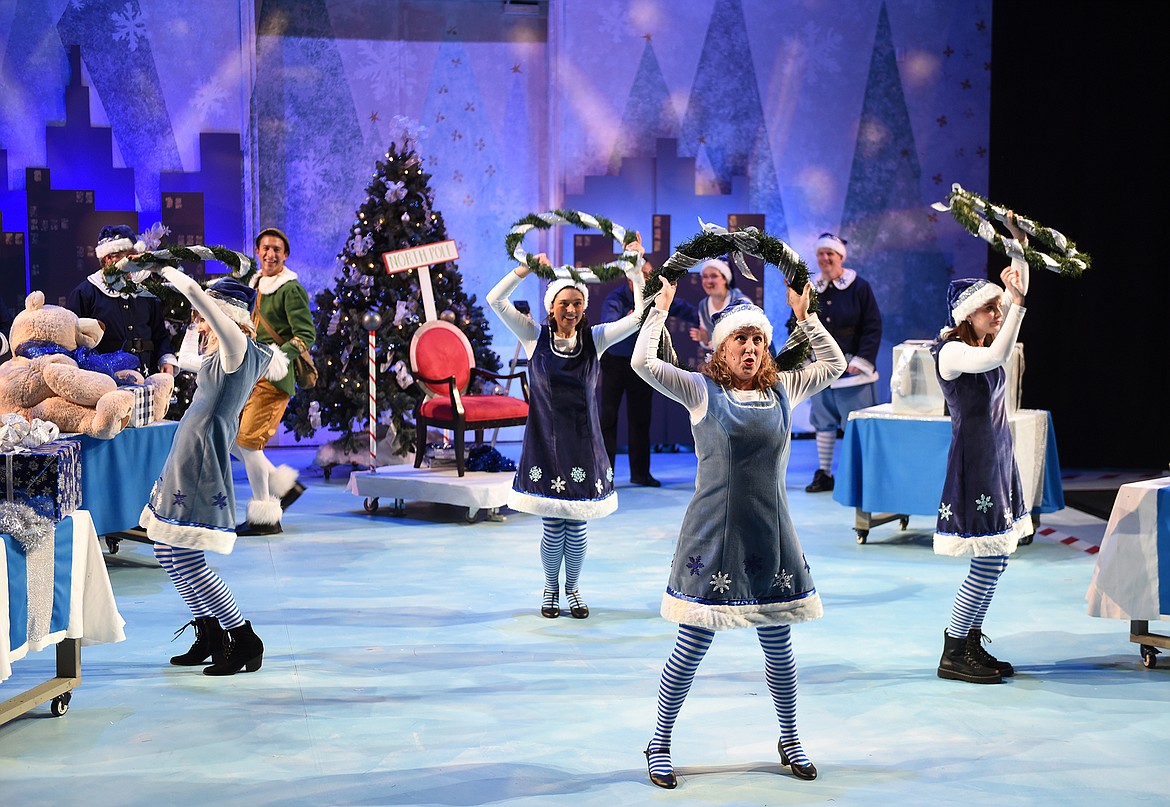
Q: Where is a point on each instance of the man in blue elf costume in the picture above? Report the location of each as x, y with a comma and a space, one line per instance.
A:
131, 317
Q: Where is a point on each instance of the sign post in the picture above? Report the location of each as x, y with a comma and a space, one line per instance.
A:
421, 258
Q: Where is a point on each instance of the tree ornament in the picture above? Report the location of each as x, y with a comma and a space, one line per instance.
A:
448, 316
371, 320
628, 262
972, 211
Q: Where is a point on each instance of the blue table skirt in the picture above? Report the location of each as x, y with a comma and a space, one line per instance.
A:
897, 465
118, 474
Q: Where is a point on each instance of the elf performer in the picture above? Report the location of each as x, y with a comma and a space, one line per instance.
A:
564, 474
982, 513
738, 562
192, 506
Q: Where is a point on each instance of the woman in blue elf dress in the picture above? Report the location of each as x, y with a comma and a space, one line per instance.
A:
738, 562
564, 474
192, 507
982, 513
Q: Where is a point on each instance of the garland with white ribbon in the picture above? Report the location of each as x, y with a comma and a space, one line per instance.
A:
973, 211
626, 263
175, 255
715, 242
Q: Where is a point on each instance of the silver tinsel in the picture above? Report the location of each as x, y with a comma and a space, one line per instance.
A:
23, 523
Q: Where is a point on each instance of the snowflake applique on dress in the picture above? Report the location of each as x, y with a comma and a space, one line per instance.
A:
578, 474
695, 563
609, 474
721, 582
983, 503
179, 499
558, 485
783, 580
219, 500
599, 485
534, 473
944, 512
752, 564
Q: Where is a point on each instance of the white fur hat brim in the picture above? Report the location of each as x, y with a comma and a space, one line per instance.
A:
749, 318
557, 286
972, 302
237, 314
118, 245
828, 241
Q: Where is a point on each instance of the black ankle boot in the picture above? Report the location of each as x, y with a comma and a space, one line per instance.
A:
975, 649
958, 663
245, 651
209, 643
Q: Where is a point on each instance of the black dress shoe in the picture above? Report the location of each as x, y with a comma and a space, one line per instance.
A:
550, 608
291, 495
807, 772
645, 481
248, 528
664, 780
821, 482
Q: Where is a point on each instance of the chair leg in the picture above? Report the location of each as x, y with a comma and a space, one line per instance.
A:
459, 450
420, 440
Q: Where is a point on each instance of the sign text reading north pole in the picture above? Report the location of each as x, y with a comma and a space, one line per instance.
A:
413, 257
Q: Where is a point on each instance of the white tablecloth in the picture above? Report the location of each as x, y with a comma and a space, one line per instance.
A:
1125, 582
93, 616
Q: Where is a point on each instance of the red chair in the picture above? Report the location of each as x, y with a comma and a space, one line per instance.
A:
443, 362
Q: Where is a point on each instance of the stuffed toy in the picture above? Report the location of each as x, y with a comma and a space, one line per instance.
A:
54, 374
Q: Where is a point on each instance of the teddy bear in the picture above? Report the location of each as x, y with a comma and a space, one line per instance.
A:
44, 380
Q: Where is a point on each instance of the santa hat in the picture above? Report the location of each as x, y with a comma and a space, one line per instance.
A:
117, 238
736, 315
967, 295
833, 242
233, 298
722, 266
557, 286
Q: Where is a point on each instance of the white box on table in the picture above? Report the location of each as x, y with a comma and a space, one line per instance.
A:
914, 387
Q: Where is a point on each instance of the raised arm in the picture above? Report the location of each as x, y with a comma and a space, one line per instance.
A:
830, 364
522, 326
688, 388
233, 342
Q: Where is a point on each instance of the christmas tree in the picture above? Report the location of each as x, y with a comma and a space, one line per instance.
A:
397, 213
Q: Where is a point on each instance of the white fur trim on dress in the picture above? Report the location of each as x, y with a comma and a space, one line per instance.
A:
726, 617
264, 511
578, 510
281, 479
277, 366
983, 546
187, 536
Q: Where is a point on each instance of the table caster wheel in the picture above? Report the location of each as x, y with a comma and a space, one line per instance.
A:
60, 704
472, 513
328, 471
1149, 656
904, 522
370, 505
112, 545
862, 535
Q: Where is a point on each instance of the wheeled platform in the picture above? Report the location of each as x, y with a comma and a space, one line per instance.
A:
476, 490
1139, 633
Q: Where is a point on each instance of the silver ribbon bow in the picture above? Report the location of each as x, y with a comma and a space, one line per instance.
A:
741, 241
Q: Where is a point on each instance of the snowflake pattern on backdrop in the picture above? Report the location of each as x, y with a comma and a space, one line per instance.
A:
129, 26
983, 503
210, 98
721, 582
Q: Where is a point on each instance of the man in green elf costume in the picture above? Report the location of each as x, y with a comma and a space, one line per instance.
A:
283, 319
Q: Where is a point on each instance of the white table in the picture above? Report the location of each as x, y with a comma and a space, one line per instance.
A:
63, 598
1132, 576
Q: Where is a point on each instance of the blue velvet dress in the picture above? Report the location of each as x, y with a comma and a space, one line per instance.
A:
982, 512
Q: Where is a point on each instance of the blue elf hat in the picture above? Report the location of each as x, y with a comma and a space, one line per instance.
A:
234, 298
967, 295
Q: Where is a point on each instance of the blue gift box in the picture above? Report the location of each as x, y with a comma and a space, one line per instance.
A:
47, 478
143, 412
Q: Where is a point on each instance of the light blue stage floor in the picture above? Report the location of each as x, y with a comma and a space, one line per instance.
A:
407, 664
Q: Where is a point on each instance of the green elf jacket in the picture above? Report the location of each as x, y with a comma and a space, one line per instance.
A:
284, 303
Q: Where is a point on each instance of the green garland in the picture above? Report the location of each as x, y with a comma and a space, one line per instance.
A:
715, 242
622, 265
174, 255
971, 211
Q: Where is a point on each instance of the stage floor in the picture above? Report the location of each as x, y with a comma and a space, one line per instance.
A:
407, 664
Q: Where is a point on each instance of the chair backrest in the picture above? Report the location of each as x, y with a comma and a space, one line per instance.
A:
440, 350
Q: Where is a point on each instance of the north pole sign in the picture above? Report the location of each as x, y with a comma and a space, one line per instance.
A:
421, 258
402, 260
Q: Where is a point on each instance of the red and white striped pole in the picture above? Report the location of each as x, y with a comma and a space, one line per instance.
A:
371, 321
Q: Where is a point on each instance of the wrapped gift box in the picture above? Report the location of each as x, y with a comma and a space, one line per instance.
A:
47, 478
914, 388
143, 412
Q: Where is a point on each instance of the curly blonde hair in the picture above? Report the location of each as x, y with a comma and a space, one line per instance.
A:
717, 370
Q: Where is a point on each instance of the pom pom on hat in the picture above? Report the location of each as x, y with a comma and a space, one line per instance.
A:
117, 238
736, 315
833, 242
722, 266
967, 295
557, 286
233, 298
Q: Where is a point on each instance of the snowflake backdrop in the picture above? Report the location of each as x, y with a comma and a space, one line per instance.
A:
851, 116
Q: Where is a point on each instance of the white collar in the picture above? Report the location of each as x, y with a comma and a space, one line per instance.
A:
268, 285
97, 279
820, 282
